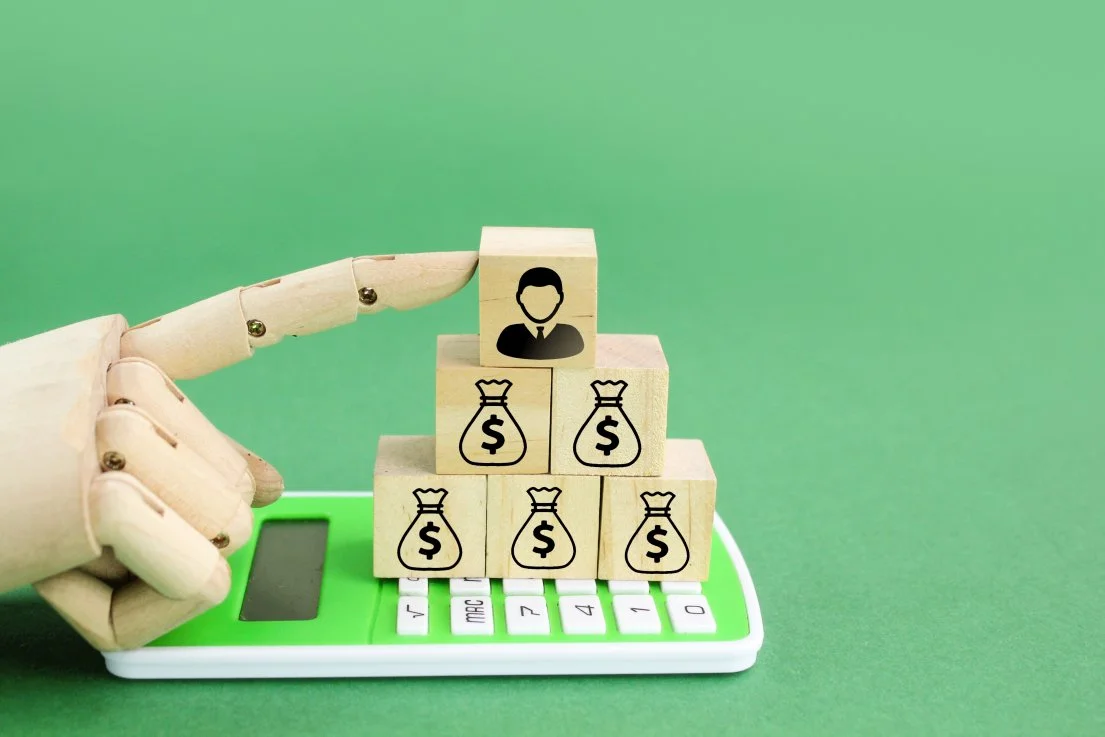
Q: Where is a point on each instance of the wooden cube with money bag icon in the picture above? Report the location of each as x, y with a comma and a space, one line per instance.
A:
660, 528
541, 526
612, 418
489, 420
425, 525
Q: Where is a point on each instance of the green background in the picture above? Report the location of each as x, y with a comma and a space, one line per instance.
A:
871, 236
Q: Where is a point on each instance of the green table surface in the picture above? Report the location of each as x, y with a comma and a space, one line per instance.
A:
870, 235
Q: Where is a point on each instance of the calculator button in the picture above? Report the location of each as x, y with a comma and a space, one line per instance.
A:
636, 614
576, 586
681, 587
582, 615
413, 587
627, 587
413, 617
690, 614
527, 615
470, 586
471, 615
528, 586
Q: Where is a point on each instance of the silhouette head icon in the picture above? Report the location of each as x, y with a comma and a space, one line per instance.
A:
540, 294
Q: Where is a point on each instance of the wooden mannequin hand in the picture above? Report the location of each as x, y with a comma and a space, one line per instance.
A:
119, 500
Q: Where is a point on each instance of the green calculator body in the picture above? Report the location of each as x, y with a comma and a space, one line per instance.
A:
304, 603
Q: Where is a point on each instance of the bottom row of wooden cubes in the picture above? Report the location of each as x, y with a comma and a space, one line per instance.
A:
541, 526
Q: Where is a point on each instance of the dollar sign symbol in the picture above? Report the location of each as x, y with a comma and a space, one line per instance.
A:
603, 429
540, 533
653, 538
497, 440
425, 534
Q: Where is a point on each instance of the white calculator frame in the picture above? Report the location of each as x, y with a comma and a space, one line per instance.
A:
485, 659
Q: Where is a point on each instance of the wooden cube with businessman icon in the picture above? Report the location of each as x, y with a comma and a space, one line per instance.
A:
538, 297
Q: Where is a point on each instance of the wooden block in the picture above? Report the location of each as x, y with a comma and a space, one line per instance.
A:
425, 525
660, 529
489, 420
613, 418
538, 297
542, 526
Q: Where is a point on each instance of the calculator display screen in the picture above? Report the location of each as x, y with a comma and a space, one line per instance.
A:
286, 576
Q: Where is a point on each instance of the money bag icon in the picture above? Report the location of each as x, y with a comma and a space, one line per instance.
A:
607, 438
657, 546
544, 540
429, 544
493, 437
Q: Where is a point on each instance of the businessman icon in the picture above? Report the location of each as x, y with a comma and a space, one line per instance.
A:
539, 337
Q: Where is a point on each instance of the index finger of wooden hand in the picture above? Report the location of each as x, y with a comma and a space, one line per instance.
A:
225, 329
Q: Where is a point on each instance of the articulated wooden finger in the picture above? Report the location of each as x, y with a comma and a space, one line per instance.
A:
151, 539
224, 329
194, 340
127, 617
139, 382
85, 603
301, 303
268, 483
108, 568
405, 281
130, 440
140, 614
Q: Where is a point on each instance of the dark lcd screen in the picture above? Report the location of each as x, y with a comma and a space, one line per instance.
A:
286, 576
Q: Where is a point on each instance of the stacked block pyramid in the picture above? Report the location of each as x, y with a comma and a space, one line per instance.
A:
550, 457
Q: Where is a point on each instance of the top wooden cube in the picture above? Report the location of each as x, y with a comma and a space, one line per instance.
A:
538, 297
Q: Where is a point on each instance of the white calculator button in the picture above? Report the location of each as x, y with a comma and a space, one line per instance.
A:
582, 615
413, 587
568, 586
627, 587
681, 587
471, 615
413, 616
470, 586
636, 614
527, 615
527, 586
690, 614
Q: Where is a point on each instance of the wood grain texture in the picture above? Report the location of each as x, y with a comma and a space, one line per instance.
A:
683, 541
405, 464
639, 362
142, 384
179, 476
408, 280
505, 255
513, 548
302, 303
146, 535
194, 340
216, 332
52, 387
523, 422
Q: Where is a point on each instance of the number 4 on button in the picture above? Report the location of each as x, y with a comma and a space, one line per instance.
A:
582, 615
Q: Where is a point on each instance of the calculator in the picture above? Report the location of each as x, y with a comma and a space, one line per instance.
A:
303, 603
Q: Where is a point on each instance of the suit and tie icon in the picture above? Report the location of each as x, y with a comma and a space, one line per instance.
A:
540, 295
